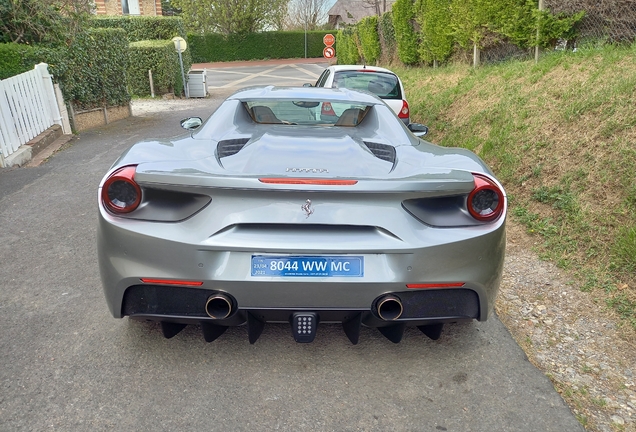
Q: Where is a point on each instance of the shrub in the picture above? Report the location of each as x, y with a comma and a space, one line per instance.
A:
403, 14
347, 47
12, 59
433, 17
291, 44
162, 59
140, 28
369, 40
388, 44
92, 70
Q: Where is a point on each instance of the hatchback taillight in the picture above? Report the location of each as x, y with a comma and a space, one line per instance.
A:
120, 193
404, 112
486, 201
327, 109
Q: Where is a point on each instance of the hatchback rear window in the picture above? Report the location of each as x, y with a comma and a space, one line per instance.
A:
306, 112
382, 84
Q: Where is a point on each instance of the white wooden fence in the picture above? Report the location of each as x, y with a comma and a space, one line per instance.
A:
27, 108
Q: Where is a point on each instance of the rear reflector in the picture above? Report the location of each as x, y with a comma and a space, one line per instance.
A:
435, 285
302, 181
171, 282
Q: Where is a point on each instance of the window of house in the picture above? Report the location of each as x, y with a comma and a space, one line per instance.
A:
130, 7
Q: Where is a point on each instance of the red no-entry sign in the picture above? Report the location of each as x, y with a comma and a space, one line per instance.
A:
329, 52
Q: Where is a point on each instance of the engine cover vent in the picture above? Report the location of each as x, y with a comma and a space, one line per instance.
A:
230, 147
382, 151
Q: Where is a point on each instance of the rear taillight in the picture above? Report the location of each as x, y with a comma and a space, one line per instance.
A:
120, 193
404, 112
327, 109
486, 201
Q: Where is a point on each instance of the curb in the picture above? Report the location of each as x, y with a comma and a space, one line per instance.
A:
34, 152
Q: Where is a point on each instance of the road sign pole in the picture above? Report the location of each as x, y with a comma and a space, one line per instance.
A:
185, 86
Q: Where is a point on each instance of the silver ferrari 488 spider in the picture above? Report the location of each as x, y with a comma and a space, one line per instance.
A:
267, 213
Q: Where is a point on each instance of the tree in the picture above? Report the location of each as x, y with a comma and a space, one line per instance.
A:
403, 14
229, 16
36, 21
168, 9
309, 13
434, 19
377, 6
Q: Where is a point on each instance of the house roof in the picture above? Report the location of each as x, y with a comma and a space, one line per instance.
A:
352, 11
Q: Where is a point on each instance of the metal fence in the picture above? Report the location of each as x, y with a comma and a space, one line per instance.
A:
605, 21
612, 21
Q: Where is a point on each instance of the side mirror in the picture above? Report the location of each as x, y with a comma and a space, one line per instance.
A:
419, 130
308, 85
191, 123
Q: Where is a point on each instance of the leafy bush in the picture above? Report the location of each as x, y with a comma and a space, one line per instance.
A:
369, 39
162, 59
403, 15
386, 33
139, 28
92, 70
433, 17
12, 59
347, 49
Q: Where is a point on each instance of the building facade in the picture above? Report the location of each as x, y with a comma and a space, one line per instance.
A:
128, 7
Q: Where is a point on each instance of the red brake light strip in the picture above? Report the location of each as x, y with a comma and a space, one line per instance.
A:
171, 282
435, 285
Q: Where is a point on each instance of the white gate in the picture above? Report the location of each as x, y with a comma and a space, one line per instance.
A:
27, 108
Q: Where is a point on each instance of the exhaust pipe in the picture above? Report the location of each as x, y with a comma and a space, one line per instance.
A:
218, 306
389, 308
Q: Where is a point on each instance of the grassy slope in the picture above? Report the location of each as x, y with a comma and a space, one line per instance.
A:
561, 136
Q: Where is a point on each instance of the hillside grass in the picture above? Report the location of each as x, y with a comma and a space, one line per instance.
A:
561, 136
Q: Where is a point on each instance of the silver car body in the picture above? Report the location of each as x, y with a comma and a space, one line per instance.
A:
236, 195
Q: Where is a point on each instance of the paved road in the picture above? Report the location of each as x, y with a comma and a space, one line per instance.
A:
67, 365
221, 76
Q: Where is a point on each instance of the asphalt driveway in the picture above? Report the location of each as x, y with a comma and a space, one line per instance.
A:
68, 365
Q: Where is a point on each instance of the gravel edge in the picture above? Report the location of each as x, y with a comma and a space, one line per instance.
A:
586, 352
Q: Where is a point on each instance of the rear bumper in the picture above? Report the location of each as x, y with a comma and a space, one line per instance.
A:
175, 308
188, 306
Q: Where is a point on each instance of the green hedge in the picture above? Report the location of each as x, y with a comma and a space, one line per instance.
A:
388, 44
139, 28
347, 46
92, 70
369, 39
214, 47
403, 14
13, 59
434, 18
160, 57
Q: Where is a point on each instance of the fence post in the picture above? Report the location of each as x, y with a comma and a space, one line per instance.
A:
536, 48
66, 125
476, 56
49, 92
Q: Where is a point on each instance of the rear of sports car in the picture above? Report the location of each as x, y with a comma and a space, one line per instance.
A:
181, 244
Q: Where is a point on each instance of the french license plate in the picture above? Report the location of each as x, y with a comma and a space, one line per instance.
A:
307, 266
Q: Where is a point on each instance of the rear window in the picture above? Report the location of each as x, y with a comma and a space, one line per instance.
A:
306, 112
384, 85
